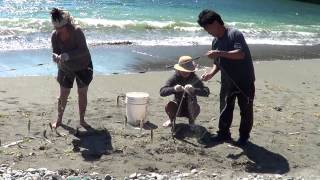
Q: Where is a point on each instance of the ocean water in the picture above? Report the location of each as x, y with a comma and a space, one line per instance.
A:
25, 28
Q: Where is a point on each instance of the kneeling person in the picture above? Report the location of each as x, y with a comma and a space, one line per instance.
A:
184, 81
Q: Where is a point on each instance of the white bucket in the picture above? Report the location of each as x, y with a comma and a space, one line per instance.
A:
136, 107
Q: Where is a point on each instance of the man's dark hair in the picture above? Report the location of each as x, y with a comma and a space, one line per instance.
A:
56, 14
208, 16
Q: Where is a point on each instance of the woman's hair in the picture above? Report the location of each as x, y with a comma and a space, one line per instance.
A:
208, 16
56, 14
60, 18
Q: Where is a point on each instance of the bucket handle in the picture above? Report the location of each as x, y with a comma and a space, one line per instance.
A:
120, 97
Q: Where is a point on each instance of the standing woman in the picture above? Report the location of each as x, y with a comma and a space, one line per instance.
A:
73, 58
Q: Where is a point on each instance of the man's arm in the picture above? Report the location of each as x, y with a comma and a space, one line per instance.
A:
236, 54
208, 75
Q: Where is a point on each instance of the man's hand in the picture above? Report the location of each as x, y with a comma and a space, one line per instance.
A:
206, 76
178, 88
64, 57
213, 54
55, 58
189, 89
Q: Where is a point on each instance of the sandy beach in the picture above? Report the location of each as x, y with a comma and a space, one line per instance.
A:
285, 139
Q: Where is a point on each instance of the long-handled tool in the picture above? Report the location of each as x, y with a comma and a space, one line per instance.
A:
177, 113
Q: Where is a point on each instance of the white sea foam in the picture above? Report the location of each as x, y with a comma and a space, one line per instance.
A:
20, 43
123, 23
32, 33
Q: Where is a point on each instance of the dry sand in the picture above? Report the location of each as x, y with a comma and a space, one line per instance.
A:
285, 138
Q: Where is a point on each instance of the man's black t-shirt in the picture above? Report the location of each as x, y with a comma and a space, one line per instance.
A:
240, 71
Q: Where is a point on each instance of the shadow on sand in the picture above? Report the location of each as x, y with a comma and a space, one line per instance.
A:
263, 160
200, 133
91, 143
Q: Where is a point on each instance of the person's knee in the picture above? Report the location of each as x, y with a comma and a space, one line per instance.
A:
83, 91
194, 112
197, 110
64, 96
171, 108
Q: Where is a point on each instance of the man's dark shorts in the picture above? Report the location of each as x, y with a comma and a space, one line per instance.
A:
83, 78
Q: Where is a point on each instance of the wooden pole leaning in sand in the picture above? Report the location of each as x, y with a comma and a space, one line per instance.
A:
177, 113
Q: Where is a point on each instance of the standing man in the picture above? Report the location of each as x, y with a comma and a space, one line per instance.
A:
232, 57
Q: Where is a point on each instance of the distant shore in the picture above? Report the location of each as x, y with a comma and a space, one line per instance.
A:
310, 1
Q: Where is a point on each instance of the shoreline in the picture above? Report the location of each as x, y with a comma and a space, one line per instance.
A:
284, 139
121, 59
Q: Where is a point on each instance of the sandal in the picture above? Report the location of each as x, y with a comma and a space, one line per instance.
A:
55, 125
168, 123
85, 125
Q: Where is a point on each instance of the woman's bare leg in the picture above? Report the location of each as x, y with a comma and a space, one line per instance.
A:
62, 102
82, 98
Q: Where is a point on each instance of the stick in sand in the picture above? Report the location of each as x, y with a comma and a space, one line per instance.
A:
177, 113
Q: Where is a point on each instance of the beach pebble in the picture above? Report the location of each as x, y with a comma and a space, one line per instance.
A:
277, 108
6, 176
132, 176
18, 173
153, 175
278, 176
9, 170
214, 175
32, 170
7, 173
32, 177
259, 177
94, 174
185, 174
107, 177
73, 178
194, 171
162, 177
42, 171
4, 165
51, 175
